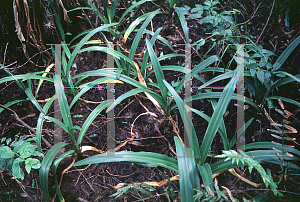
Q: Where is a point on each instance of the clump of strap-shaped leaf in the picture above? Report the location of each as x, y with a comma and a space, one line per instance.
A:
198, 154
65, 108
190, 161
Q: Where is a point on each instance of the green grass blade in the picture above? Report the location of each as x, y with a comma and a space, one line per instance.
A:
19, 83
134, 92
39, 126
12, 103
202, 66
158, 72
136, 22
54, 168
285, 100
286, 53
136, 157
80, 8
240, 132
108, 51
44, 170
217, 117
188, 173
33, 100
206, 176
125, 79
289, 75
91, 118
129, 10
221, 129
59, 123
64, 107
188, 124
79, 35
83, 41
217, 78
165, 57
146, 54
110, 10
57, 19
102, 17
23, 76
87, 87
139, 34
184, 27
271, 145
281, 82
160, 38
213, 95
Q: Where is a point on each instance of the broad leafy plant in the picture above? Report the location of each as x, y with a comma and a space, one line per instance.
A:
14, 153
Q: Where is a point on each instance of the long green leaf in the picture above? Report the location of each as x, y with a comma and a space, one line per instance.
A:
83, 41
87, 88
139, 34
146, 54
64, 107
285, 54
201, 66
221, 130
102, 17
44, 170
184, 27
218, 94
39, 126
285, 100
281, 82
289, 75
19, 83
57, 19
54, 168
136, 22
157, 69
188, 173
33, 100
129, 10
136, 157
159, 37
217, 117
206, 175
91, 118
23, 76
188, 124
240, 132
134, 92
12, 103
59, 123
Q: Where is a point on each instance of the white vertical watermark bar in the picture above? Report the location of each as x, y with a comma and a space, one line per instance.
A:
57, 111
188, 89
240, 122
110, 96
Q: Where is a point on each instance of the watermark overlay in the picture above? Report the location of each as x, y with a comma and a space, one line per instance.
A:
240, 88
188, 89
57, 112
110, 96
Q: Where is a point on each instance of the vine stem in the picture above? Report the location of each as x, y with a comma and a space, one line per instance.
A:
266, 22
